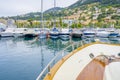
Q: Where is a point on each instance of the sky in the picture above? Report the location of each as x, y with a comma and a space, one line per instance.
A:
18, 7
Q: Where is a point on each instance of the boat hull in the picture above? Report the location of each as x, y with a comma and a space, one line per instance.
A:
102, 35
113, 35
7, 34
18, 35
54, 36
29, 35
76, 35
64, 36
89, 35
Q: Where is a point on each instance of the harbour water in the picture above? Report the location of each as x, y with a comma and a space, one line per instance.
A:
25, 58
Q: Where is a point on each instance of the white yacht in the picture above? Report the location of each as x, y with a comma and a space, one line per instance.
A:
19, 32
10, 28
43, 33
65, 33
30, 32
89, 33
113, 32
9, 32
54, 33
102, 33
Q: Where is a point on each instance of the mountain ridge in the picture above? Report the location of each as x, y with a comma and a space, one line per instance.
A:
53, 9
60, 12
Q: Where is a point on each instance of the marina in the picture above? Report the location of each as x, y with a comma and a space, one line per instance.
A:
64, 33
55, 33
60, 40
31, 52
27, 57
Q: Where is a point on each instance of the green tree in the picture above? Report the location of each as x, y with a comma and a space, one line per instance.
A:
60, 21
30, 21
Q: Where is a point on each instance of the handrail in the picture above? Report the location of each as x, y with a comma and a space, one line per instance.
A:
48, 67
50, 63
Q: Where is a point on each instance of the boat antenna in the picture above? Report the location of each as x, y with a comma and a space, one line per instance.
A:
42, 13
54, 13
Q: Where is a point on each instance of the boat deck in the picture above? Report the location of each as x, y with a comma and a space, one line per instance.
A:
72, 67
94, 71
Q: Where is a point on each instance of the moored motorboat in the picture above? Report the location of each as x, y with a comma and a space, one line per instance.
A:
102, 33
29, 33
89, 33
113, 32
54, 33
43, 33
9, 32
76, 33
19, 32
10, 28
116, 39
65, 34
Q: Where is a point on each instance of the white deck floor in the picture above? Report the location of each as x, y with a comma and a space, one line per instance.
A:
72, 67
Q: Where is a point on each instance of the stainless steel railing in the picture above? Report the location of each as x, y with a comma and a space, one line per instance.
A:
72, 46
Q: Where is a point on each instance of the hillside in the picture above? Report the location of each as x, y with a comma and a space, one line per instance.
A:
53, 9
61, 12
81, 2
87, 12
37, 15
102, 2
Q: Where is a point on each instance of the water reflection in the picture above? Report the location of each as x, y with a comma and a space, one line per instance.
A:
42, 43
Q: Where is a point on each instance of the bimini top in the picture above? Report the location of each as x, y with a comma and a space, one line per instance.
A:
72, 67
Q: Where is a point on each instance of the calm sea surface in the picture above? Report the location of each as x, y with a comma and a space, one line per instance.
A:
25, 58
